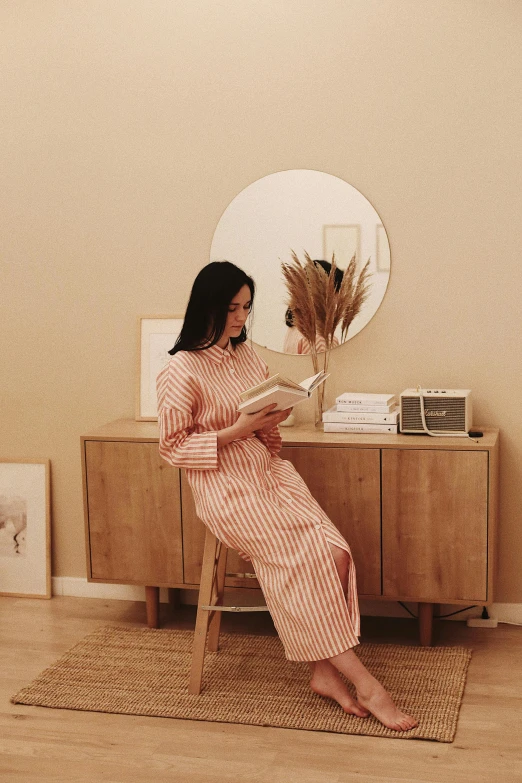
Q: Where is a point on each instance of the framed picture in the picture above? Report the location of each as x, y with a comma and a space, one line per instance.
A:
382, 249
25, 529
156, 336
344, 241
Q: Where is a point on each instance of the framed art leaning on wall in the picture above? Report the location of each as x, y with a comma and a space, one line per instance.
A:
25, 528
156, 336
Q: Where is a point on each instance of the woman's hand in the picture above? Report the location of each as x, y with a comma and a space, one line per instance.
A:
248, 423
282, 415
264, 420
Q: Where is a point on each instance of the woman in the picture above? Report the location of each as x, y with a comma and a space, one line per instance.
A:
255, 502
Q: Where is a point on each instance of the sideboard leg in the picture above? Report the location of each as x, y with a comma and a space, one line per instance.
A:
152, 602
425, 624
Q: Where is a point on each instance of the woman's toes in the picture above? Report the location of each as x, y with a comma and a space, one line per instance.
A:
407, 722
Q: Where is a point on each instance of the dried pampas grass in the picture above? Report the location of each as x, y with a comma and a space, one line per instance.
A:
302, 287
318, 309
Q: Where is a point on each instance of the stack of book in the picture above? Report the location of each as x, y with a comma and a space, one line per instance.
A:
378, 413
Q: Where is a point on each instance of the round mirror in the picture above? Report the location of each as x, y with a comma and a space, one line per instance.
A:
308, 212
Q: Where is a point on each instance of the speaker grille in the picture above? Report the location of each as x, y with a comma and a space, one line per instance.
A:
442, 415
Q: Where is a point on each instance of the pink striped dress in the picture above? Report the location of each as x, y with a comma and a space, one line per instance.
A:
255, 502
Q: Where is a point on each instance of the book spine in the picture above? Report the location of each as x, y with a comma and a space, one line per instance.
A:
362, 418
349, 427
341, 408
366, 401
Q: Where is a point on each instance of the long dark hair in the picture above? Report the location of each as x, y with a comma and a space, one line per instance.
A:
207, 310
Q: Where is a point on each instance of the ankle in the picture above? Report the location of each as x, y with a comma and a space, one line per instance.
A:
367, 685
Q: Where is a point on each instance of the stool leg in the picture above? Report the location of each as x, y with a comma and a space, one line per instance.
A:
215, 623
202, 618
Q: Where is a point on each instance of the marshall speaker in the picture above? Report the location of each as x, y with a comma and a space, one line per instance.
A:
445, 411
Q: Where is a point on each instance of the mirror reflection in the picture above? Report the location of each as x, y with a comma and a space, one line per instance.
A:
307, 213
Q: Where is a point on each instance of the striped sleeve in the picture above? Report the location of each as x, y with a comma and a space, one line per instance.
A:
179, 444
272, 439
303, 345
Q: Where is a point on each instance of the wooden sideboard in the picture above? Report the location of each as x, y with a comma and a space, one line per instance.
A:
419, 513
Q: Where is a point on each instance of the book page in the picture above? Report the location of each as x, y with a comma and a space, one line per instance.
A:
283, 397
274, 380
314, 381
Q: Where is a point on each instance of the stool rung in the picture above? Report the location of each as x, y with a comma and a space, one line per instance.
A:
235, 608
242, 576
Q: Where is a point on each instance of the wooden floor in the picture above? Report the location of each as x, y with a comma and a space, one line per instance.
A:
45, 745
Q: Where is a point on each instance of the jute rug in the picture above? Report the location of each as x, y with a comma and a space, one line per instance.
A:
140, 671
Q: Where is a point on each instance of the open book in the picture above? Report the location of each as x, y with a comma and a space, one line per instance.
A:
280, 390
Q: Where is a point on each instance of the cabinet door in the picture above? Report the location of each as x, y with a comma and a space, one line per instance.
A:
239, 573
434, 525
134, 519
346, 484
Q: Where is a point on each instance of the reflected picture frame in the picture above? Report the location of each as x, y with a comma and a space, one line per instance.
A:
344, 241
382, 249
25, 528
156, 336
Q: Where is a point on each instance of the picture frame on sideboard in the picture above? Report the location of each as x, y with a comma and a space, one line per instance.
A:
156, 336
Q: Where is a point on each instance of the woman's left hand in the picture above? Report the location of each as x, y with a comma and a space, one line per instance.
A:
281, 416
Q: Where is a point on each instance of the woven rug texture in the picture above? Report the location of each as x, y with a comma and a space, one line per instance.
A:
143, 671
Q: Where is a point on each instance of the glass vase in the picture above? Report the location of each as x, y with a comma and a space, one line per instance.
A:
320, 398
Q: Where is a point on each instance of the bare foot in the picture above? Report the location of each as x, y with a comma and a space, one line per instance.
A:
379, 702
326, 682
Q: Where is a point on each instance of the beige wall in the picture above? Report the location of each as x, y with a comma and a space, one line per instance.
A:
131, 125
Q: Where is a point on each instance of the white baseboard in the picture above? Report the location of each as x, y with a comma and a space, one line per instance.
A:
81, 588
507, 613
503, 613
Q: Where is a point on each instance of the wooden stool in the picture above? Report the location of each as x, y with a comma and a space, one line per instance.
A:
210, 606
